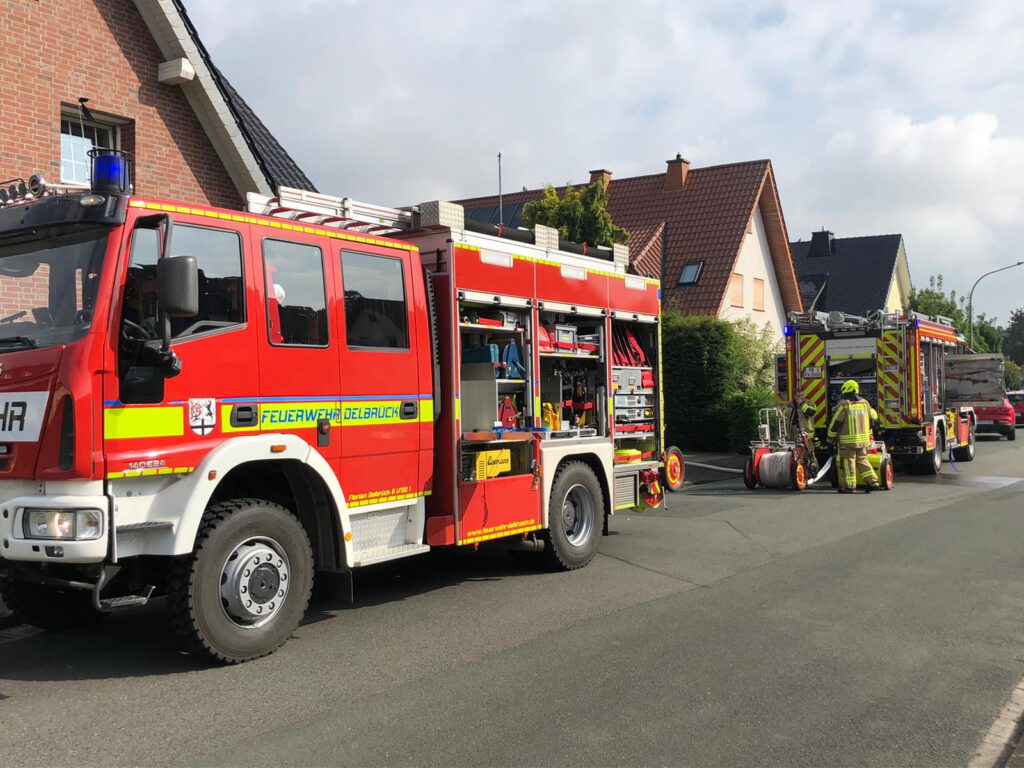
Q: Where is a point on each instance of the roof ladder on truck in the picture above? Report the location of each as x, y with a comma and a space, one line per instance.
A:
321, 210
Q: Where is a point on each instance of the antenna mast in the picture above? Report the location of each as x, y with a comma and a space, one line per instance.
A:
501, 212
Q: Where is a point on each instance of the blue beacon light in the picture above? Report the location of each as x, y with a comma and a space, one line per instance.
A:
787, 330
110, 172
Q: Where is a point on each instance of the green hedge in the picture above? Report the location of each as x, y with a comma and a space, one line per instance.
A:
714, 378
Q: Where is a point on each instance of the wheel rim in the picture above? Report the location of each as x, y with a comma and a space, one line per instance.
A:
578, 514
674, 470
888, 475
801, 476
937, 455
254, 582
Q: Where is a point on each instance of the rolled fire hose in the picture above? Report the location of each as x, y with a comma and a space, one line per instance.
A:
773, 469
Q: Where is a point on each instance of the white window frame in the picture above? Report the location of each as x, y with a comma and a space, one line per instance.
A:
72, 118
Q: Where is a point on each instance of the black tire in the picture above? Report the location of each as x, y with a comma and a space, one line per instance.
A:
674, 471
749, 477
1012, 434
50, 608
966, 452
203, 618
575, 517
931, 463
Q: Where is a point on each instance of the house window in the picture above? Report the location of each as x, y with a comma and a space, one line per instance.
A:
736, 289
77, 137
758, 294
691, 273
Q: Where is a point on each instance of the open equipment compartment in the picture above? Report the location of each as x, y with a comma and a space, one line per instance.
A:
571, 353
495, 386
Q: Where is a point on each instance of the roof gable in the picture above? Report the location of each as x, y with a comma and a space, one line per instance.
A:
859, 272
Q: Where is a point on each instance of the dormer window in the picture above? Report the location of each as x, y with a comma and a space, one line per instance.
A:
691, 272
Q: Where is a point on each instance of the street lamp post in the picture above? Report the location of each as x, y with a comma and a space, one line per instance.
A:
970, 299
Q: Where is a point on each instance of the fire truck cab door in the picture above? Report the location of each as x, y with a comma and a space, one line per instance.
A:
299, 339
387, 406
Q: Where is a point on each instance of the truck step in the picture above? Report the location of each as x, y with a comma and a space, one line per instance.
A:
125, 601
382, 555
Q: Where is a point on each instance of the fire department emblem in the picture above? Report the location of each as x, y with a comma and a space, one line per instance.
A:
202, 415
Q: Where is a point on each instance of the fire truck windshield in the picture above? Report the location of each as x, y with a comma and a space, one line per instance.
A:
48, 287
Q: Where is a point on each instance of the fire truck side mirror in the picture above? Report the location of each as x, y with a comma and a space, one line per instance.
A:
178, 278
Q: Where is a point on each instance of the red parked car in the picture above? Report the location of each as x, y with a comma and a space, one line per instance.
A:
1017, 401
998, 418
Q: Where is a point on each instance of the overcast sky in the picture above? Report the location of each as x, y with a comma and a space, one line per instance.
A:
878, 117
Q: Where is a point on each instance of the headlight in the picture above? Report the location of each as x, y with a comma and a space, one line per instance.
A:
66, 524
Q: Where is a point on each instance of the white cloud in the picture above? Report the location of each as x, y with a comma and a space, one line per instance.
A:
879, 116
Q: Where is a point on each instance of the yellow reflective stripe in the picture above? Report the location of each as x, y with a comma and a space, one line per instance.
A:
128, 473
381, 497
225, 421
273, 223
487, 535
134, 423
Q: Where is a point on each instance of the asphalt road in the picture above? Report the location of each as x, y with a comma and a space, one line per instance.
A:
735, 628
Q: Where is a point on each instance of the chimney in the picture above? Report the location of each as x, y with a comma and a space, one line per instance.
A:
822, 244
602, 175
675, 174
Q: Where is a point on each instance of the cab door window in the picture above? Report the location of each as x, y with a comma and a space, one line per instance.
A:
376, 315
296, 294
218, 253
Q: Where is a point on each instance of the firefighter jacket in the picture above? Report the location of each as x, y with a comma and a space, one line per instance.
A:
800, 417
851, 422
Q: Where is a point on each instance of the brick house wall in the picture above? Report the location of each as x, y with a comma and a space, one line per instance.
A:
59, 50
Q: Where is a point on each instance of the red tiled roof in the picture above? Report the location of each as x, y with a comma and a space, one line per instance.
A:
705, 220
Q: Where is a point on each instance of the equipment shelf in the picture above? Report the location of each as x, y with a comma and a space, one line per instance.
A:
570, 355
489, 328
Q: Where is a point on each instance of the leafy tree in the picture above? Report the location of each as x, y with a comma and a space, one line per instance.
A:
580, 215
933, 300
1013, 345
1013, 375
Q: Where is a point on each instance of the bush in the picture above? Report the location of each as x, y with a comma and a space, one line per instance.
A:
699, 368
717, 375
743, 410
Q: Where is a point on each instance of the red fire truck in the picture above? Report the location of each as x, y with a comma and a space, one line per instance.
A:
214, 404
899, 362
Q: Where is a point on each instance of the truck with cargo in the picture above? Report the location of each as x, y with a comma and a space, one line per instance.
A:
979, 381
212, 405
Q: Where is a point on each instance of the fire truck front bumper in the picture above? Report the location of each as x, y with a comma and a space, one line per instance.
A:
54, 522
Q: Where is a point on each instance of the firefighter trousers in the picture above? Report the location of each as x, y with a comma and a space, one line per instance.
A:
854, 468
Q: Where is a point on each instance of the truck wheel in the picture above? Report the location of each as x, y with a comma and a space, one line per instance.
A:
1012, 434
244, 588
797, 476
674, 470
575, 515
885, 474
931, 463
50, 608
749, 477
966, 452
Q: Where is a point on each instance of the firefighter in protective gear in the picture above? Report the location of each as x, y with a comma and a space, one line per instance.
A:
799, 416
851, 429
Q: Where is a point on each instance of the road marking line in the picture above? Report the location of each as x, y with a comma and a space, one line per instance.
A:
995, 748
